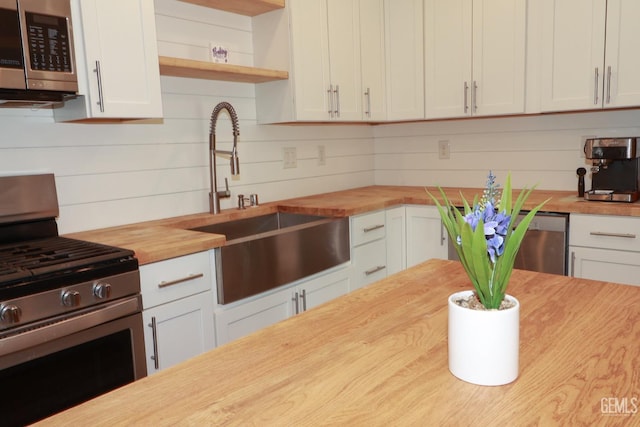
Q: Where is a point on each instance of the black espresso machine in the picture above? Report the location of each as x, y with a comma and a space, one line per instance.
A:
615, 170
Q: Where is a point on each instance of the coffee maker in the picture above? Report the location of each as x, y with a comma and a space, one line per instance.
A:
615, 170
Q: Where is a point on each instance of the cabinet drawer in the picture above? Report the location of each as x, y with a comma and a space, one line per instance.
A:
367, 228
605, 232
370, 263
175, 278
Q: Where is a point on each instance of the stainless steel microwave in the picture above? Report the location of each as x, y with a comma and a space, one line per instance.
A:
37, 61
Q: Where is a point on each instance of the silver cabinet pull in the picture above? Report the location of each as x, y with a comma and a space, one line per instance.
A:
154, 330
367, 94
375, 270
296, 303
98, 72
466, 97
303, 295
573, 264
443, 238
164, 284
330, 96
595, 86
337, 93
373, 228
623, 235
475, 96
609, 84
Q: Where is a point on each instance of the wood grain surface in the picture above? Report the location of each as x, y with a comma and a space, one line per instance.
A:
168, 238
378, 357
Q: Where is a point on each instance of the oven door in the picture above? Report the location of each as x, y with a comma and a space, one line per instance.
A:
11, 59
88, 355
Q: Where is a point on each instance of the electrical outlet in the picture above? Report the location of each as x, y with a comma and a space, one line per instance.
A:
289, 157
583, 140
322, 155
443, 149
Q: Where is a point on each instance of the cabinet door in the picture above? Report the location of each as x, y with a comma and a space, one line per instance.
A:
426, 236
448, 40
322, 289
372, 60
120, 59
310, 59
343, 20
607, 265
622, 61
573, 35
242, 319
178, 330
499, 46
404, 49
396, 239
369, 263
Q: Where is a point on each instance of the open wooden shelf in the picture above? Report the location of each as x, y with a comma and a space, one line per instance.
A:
242, 7
179, 67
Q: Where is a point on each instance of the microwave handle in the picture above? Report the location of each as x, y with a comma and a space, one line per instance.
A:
99, 77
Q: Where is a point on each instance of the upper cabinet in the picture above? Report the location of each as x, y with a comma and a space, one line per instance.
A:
474, 57
590, 58
117, 61
319, 42
372, 60
404, 51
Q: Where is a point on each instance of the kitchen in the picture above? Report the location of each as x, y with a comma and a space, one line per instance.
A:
112, 174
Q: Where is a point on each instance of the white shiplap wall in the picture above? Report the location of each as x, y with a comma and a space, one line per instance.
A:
112, 174
540, 149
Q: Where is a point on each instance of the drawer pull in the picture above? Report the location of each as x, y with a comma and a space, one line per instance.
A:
164, 284
372, 228
375, 270
625, 235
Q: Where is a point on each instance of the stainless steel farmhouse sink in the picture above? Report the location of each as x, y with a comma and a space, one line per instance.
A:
268, 251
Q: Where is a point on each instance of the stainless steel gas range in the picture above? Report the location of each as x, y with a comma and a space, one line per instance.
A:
70, 310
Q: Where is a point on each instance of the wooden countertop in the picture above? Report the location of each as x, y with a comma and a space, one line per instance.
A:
168, 238
378, 356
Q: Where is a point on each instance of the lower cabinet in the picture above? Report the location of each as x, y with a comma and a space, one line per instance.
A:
605, 247
178, 317
177, 331
368, 248
426, 236
244, 317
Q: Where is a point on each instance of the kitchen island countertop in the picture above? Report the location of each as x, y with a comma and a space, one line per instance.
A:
168, 238
378, 356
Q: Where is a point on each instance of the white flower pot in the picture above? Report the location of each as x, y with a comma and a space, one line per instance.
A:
484, 344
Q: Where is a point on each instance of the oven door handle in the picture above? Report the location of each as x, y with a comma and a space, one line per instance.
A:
60, 326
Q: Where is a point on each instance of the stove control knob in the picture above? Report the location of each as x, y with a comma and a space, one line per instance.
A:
102, 290
10, 314
70, 298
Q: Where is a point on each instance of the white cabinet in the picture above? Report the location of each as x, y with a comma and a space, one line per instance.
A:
117, 61
474, 57
244, 317
396, 239
590, 58
177, 301
605, 248
372, 60
368, 248
404, 56
319, 42
426, 236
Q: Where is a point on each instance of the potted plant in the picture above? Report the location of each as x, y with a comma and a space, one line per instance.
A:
484, 322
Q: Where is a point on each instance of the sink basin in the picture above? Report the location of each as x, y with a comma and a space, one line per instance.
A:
267, 251
251, 227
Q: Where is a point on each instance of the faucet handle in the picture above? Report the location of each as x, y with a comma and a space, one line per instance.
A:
253, 199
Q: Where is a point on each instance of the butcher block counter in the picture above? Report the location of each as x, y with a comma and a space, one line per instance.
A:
378, 357
168, 238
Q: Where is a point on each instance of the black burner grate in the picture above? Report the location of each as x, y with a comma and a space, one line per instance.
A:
48, 256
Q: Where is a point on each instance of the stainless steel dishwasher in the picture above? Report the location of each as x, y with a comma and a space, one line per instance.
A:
545, 244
